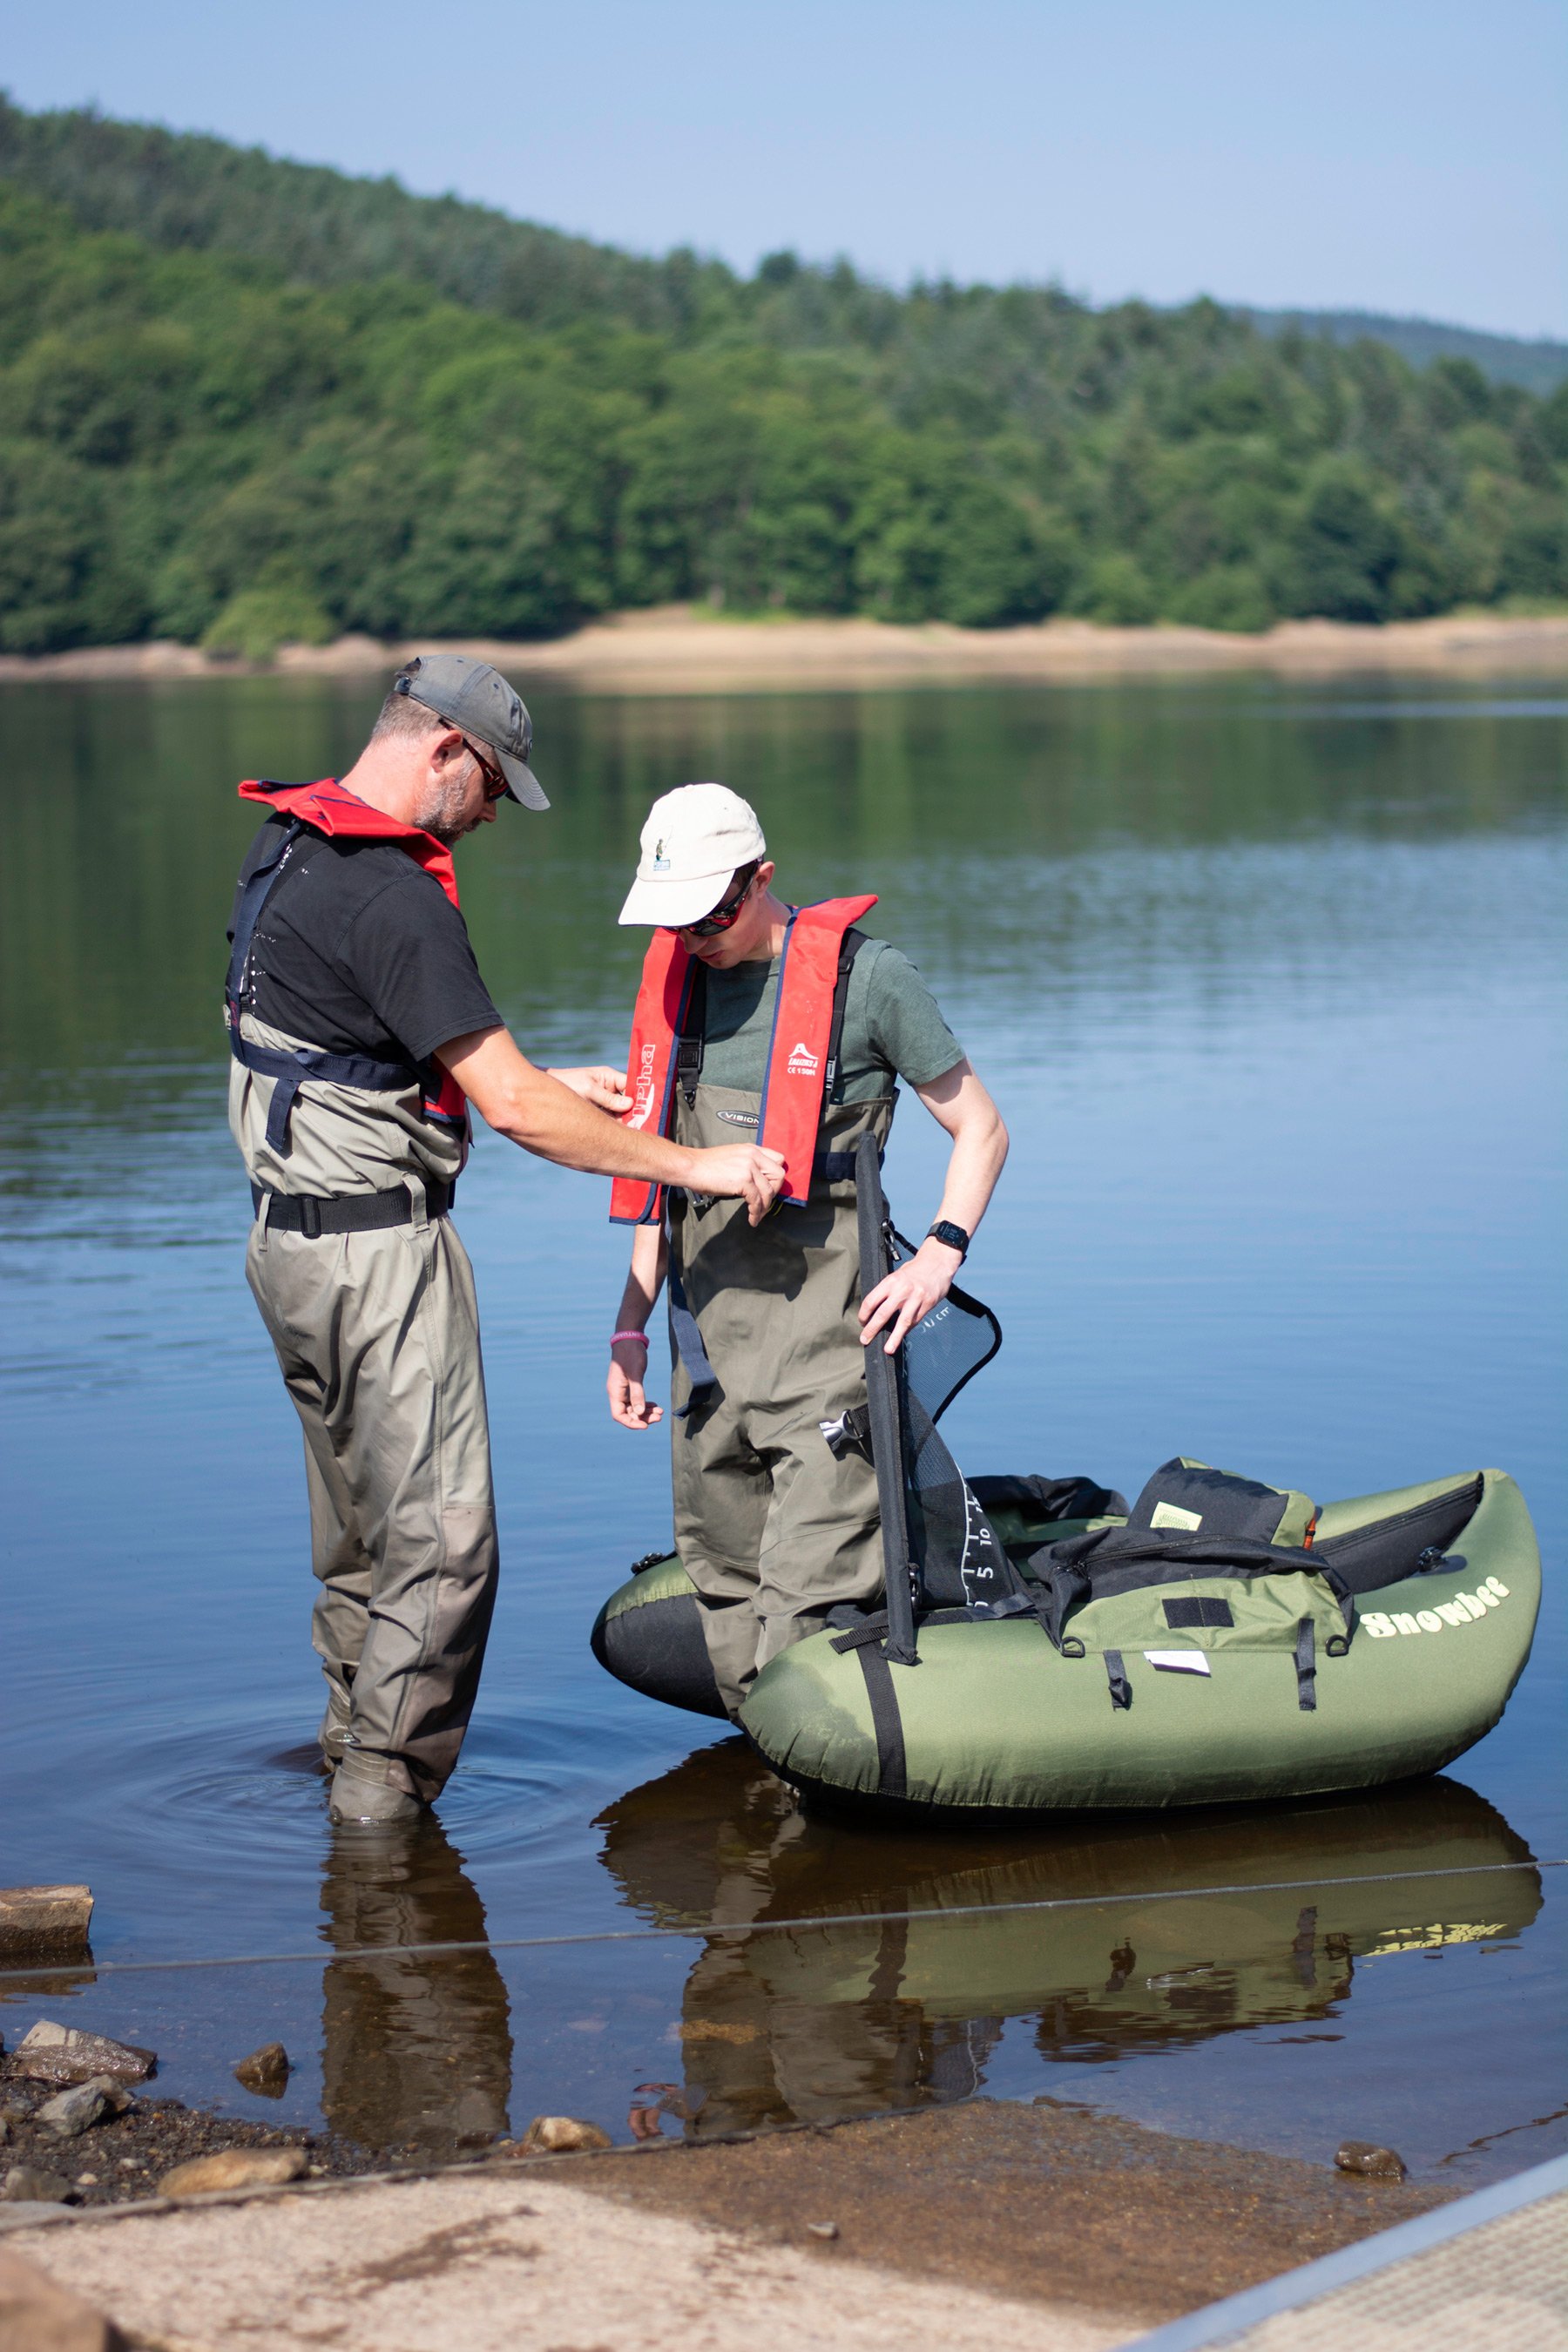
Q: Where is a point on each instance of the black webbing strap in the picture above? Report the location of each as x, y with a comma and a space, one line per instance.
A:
835, 1167
687, 1334
849, 947
884, 1404
885, 1720
252, 898
693, 1037
1116, 1676
870, 1629
354, 1212
291, 1067
1306, 1667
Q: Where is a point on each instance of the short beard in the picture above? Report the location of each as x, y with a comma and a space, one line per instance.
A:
440, 814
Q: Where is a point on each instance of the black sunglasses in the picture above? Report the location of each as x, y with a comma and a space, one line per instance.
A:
724, 916
495, 782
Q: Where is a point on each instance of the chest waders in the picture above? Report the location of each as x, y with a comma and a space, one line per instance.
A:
368, 1297
774, 1530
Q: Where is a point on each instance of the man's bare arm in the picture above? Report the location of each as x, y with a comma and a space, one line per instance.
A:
525, 1103
626, 1381
958, 1102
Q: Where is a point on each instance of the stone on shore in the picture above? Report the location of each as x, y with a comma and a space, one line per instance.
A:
266, 2069
563, 2136
70, 2113
44, 1915
234, 2167
52, 2053
1375, 2163
38, 2315
25, 2184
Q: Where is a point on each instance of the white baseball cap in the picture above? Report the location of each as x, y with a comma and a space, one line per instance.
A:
694, 839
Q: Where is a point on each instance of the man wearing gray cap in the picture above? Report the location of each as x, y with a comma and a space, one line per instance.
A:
360, 1033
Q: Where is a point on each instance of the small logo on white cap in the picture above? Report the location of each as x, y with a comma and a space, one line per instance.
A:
660, 862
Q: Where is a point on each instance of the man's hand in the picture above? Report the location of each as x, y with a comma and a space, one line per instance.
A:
628, 1400
906, 1296
739, 1171
604, 1087
557, 1114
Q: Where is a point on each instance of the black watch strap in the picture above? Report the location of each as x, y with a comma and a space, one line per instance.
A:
950, 1236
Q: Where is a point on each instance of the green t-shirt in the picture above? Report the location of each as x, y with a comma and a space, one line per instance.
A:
892, 1026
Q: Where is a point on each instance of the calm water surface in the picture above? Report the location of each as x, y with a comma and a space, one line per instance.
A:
1269, 981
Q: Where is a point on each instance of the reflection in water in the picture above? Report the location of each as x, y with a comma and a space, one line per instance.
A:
418, 2045
860, 2013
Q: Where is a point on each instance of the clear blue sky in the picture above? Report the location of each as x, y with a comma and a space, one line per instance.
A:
1403, 155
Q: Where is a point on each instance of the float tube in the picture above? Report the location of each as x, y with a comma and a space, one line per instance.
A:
1043, 1649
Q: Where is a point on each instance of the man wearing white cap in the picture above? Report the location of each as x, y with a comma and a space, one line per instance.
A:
788, 1025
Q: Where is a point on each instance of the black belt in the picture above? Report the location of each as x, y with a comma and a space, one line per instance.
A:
355, 1213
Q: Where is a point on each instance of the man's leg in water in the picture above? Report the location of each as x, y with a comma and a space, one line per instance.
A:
721, 1499
377, 1335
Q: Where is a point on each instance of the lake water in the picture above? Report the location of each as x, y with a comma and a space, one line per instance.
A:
1269, 981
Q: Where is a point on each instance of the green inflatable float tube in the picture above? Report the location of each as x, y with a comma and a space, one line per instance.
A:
1041, 1648
1208, 1684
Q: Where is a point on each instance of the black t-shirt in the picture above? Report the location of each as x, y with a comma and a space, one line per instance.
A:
359, 950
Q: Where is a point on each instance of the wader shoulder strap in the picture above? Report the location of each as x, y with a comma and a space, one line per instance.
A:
687, 1334
252, 898
691, 1043
288, 1067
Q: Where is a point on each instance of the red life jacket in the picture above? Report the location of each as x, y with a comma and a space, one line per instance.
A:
795, 1086
327, 808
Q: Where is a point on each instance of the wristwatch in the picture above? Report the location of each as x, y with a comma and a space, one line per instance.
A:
952, 1236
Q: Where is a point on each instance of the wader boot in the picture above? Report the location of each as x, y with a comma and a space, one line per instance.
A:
773, 1529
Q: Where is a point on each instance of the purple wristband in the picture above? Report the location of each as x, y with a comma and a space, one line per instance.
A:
616, 1337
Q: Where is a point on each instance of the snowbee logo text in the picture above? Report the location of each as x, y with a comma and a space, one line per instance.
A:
1464, 1608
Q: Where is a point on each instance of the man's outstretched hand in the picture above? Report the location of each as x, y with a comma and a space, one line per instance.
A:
739, 1171
604, 1087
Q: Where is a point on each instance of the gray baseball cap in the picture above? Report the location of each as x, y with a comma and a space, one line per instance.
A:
476, 698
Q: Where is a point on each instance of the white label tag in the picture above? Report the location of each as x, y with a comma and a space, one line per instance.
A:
1178, 1662
1170, 1514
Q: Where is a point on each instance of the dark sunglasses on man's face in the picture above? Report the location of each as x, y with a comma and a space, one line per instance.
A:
724, 916
495, 782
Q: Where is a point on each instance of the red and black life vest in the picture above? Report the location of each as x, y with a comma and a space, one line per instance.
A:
328, 809
803, 1051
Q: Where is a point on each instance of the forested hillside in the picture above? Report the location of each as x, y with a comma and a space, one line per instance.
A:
294, 403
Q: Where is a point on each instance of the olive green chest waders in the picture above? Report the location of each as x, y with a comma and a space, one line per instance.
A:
368, 1298
774, 1530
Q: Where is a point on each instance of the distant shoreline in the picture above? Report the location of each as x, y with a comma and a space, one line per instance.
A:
676, 650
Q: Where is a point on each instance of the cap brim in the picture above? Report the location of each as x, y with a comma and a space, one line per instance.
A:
671, 905
521, 783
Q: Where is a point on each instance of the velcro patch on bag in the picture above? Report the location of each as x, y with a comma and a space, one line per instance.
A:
1170, 1514
1182, 1615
